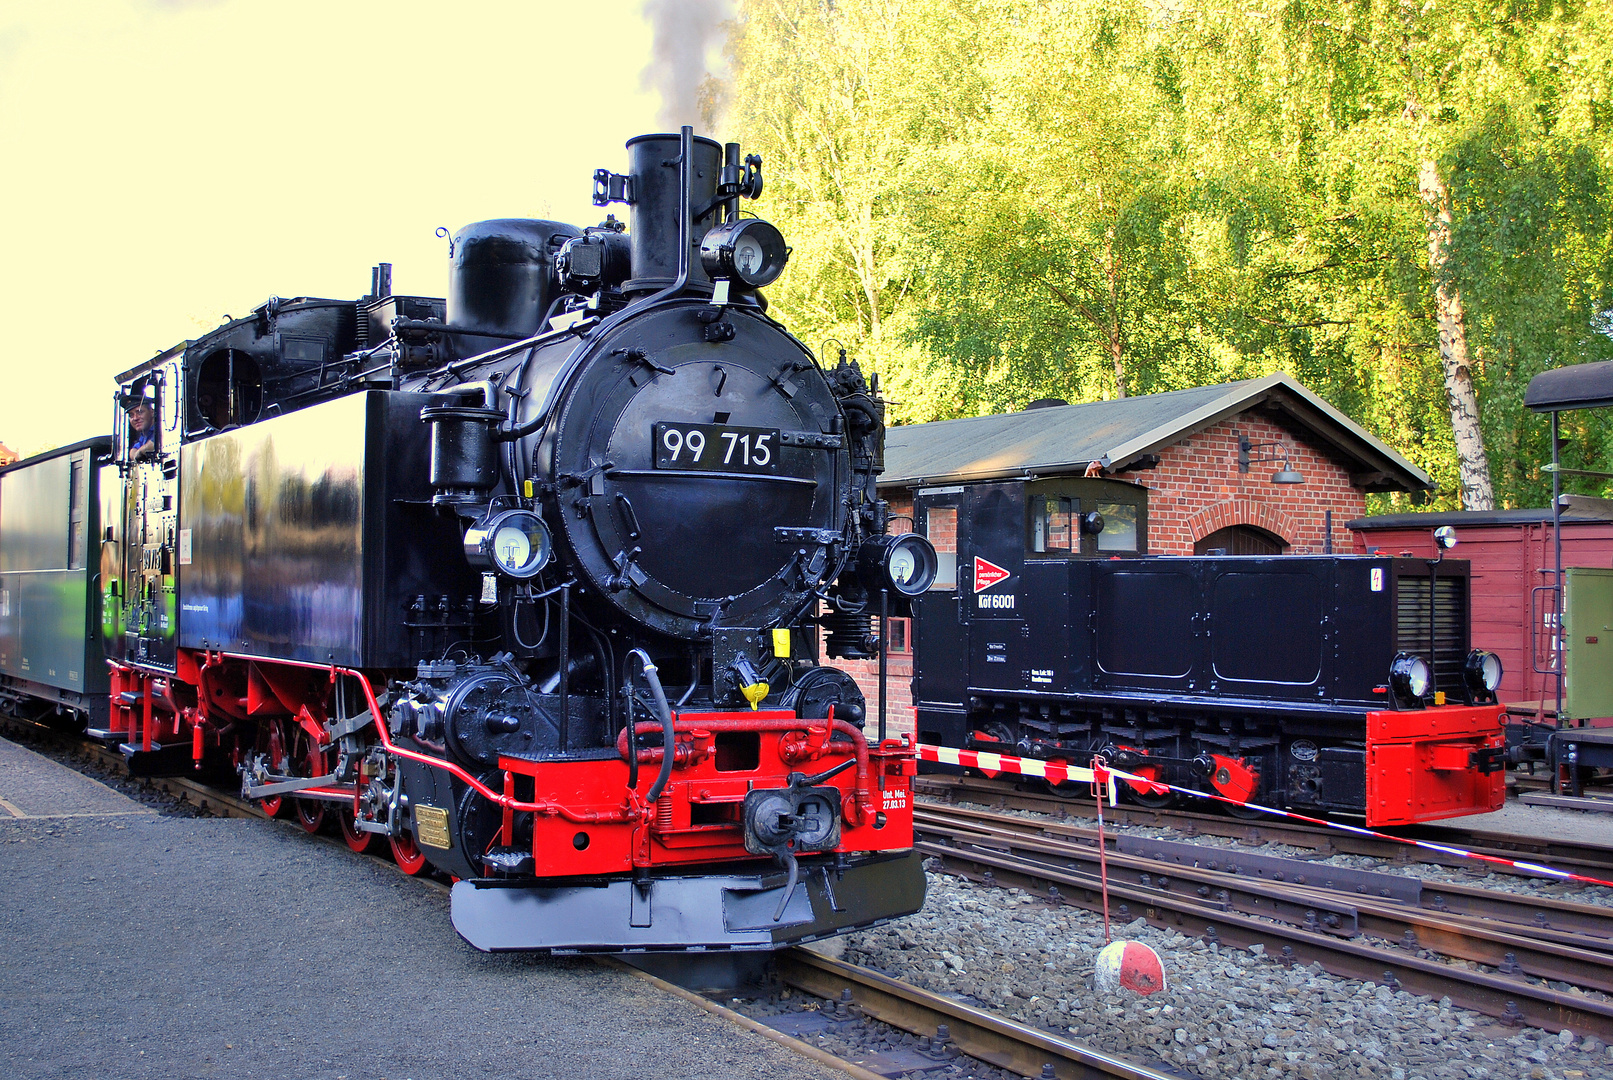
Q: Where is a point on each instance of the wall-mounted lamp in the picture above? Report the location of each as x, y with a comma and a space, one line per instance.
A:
1275, 451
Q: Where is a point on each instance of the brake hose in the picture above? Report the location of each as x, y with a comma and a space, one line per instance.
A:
668, 736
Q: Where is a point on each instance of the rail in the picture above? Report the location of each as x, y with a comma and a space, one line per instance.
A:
1295, 923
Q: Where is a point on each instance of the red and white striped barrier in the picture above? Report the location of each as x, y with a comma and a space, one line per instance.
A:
1057, 773
1054, 772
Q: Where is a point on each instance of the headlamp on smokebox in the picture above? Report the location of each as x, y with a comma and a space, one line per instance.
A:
750, 251
905, 564
515, 543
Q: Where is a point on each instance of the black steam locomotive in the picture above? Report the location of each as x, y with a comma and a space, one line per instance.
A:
527, 583
1344, 684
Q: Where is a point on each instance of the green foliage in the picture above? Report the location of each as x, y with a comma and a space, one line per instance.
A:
993, 201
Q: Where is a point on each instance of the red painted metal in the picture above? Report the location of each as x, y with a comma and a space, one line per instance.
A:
1421, 763
1509, 562
357, 840
1233, 778
698, 817
406, 853
585, 819
791, 751
307, 755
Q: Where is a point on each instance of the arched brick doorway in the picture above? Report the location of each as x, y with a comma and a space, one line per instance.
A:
1241, 540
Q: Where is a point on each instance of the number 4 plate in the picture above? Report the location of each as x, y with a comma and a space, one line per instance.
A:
716, 448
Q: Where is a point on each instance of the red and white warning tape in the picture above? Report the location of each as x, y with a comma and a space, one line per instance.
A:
1102, 775
1054, 772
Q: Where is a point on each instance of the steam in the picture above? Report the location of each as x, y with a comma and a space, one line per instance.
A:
684, 34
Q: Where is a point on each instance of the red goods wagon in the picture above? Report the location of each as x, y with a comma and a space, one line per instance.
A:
1511, 556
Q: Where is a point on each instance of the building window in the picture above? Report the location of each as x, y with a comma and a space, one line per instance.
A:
899, 637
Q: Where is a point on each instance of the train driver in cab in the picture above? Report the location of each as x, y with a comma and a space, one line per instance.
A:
142, 430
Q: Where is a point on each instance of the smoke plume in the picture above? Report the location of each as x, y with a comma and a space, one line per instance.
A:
685, 32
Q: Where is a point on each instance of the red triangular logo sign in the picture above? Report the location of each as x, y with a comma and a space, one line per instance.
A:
988, 574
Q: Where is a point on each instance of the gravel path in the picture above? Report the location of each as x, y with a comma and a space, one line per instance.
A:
152, 945
1224, 1013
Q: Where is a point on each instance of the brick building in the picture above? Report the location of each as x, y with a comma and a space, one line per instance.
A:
1209, 457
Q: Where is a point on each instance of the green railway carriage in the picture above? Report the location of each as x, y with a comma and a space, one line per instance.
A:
51, 602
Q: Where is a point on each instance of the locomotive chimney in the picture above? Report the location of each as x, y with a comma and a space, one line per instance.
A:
658, 208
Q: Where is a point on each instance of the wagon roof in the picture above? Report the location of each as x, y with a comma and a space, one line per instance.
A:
101, 444
1577, 509
1577, 386
1059, 439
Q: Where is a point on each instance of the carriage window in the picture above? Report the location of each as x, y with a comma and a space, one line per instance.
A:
941, 529
1053, 527
78, 492
1119, 527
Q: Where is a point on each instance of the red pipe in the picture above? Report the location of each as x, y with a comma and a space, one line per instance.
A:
547, 808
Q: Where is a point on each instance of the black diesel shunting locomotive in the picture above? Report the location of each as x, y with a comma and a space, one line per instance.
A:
1313, 682
526, 583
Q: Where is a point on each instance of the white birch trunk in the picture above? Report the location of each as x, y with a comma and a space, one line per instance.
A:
1472, 463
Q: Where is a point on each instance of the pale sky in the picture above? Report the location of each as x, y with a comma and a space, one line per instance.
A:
164, 163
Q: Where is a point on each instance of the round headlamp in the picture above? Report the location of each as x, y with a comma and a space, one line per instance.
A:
751, 251
1482, 670
516, 543
904, 563
1410, 677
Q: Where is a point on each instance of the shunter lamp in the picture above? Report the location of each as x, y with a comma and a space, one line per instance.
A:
516, 543
1482, 670
1410, 677
905, 563
750, 250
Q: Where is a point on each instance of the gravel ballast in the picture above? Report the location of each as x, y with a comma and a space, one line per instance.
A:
1224, 1013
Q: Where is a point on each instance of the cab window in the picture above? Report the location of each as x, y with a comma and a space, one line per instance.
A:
142, 437
1119, 527
1053, 526
941, 529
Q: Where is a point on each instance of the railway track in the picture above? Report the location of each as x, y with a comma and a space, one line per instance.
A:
1310, 914
946, 1027
950, 1025
1590, 859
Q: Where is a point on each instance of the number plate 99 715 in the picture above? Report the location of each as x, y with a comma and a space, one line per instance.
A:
716, 448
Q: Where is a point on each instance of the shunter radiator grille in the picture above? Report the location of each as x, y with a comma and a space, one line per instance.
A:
1450, 626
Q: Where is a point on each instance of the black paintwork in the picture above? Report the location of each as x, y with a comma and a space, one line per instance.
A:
311, 536
1244, 655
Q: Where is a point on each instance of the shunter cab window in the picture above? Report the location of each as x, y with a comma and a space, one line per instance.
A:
1119, 527
1054, 527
